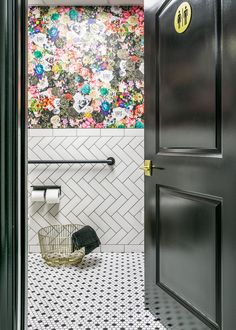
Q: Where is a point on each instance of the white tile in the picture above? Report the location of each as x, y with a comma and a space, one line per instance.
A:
90, 142
112, 248
40, 132
104, 206
111, 222
64, 132
116, 205
76, 2
141, 215
134, 248
112, 132
127, 239
99, 189
82, 205
134, 132
136, 142
126, 2
134, 154
69, 206
113, 191
93, 205
34, 249
107, 236
99, 222
133, 221
137, 207
97, 250
130, 169
36, 3
67, 142
117, 237
139, 239
85, 2
134, 188
88, 131
120, 221
129, 203
108, 198
41, 153
105, 288
110, 143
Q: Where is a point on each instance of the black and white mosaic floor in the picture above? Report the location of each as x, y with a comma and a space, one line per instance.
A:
104, 292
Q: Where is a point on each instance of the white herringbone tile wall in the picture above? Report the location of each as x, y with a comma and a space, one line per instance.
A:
108, 198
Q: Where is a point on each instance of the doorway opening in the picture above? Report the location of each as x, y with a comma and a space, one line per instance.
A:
86, 106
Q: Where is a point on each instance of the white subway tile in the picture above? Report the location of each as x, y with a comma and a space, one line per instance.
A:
134, 132
93, 195
36, 3
97, 250
117, 237
34, 249
64, 132
112, 248
40, 132
139, 239
112, 132
134, 248
88, 131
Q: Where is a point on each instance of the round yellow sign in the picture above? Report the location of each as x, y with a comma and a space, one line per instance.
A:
183, 17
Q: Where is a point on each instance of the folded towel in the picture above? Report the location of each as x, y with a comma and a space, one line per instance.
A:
85, 237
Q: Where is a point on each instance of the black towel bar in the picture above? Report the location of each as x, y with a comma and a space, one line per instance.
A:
109, 161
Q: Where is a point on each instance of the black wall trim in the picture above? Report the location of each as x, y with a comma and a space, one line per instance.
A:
12, 164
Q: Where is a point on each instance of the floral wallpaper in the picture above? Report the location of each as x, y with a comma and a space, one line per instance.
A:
86, 67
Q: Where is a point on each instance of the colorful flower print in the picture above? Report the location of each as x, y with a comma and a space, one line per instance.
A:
85, 89
105, 76
86, 67
38, 54
119, 113
105, 106
55, 121
39, 70
39, 39
73, 15
104, 91
139, 124
53, 33
81, 102
55, 16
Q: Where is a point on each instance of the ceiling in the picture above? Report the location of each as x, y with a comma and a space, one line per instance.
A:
85, 2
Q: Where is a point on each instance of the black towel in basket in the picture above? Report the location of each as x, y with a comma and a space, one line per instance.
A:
85, 237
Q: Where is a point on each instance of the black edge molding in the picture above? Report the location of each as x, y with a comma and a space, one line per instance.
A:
13, 146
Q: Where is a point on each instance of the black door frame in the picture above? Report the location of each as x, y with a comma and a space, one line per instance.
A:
13, 149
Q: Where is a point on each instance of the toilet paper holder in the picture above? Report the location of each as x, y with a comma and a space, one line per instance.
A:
46, 187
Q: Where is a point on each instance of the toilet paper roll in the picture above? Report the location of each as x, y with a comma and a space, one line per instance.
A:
38, 196
52, 196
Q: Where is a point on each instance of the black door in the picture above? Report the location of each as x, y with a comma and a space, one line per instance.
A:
190, 193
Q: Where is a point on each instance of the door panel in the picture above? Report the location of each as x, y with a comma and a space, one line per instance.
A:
190, 134
188, 239
187, 85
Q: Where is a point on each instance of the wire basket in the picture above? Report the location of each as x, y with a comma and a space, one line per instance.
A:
56, 245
